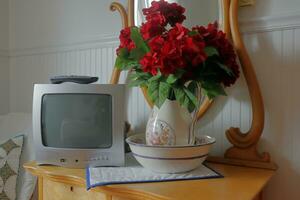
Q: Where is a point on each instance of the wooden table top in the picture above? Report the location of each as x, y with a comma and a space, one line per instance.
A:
239, 183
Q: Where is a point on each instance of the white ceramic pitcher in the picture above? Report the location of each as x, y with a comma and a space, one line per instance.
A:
171, 124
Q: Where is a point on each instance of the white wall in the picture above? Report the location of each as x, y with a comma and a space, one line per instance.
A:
4, 24
40, 23
4, 61
273, 41
66, 37
269, 8
4, 84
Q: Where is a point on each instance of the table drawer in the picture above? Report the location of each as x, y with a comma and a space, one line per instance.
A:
60, 191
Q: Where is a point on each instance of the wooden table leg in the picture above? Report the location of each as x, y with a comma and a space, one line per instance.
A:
40, 188
259, 196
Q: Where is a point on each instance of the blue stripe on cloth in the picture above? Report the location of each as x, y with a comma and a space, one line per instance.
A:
88, 180
89, 185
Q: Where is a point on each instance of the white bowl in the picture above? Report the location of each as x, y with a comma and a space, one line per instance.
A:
170, 159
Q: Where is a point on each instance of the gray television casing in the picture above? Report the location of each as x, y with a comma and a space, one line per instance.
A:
81, 158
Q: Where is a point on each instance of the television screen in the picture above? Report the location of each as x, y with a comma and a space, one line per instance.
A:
77, 121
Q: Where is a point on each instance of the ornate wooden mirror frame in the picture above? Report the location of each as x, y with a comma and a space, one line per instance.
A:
244, 145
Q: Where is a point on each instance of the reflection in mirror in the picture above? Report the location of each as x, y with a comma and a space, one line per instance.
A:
200, 12
197, 12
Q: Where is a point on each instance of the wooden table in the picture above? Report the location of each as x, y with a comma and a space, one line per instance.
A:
240, 183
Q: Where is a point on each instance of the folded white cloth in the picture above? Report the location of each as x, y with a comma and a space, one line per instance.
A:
135, 173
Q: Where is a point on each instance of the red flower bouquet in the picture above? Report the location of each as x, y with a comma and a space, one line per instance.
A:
172, 60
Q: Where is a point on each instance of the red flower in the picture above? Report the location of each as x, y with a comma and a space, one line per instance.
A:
151, 29
216, 38
171, 57
156, 43
173, 51
194, 51
167, 47
157, 18
125, 40
177, 32
150, 63
209, 34
172, 12
155, 7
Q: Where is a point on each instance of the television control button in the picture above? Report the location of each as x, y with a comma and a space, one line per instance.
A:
103, 157
62, 160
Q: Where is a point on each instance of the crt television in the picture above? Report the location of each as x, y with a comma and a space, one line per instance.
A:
78, 125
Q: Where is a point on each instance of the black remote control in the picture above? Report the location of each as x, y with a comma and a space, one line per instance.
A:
73, 79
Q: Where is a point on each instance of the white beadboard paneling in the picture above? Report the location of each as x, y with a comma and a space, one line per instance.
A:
275, 57
96, 42
4, 84
282, 21
37, 65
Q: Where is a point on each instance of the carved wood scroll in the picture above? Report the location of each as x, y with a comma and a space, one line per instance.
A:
245, 144
244, 150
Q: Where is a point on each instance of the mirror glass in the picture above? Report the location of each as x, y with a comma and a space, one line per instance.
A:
198, 12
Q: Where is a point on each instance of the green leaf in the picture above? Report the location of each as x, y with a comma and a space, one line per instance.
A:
191, 107
119, 63
225, 68
158, 92
136, 54
186, 101
122, 58
191, 92
123, 53
133, 76
130, 64
125, 64
211, 51
192, 33
123, 61
137, 82
155, 78
179, 73
138, 79
191, 96
179, 95
139, 75
138, 40
186, 98
212, 89
171, 79
164, 90
193, 86
153, 89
